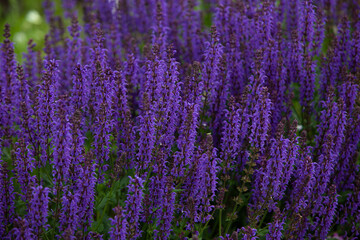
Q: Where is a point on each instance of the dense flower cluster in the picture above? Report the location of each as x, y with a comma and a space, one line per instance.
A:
160, 119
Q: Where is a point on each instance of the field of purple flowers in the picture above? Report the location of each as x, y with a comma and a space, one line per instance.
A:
161, 119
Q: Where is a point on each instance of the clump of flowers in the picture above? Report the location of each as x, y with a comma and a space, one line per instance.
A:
155, 119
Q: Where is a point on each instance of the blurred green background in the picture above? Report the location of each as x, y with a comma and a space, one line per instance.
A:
27, 21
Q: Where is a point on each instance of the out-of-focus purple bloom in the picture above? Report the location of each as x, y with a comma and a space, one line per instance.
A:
319, 30
306, 26
223, 20
160, 28
30, 65
343, 44
191, 24
73, 52
68, 6
249, 233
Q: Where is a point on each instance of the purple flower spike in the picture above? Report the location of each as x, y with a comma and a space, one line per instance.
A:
38, 210
118, 231
25, 164
7, 198
260, 119
134, 206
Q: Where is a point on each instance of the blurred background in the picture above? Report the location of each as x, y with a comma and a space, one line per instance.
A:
27, 21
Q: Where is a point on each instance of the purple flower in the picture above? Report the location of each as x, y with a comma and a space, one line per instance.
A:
326, 213
230, 142
304, 182
249, 233
307, 80
306, 28
260, 119
268, 178
332, 123
118, 231
201, 186
218, 98
162, 197
62, 140
69, 215
85, 191
190, 21
189, 113
351, 209
147, 134
25, 164
211, 70
276, 227
348, 92
30, 65
168, 210
73, 51
9, 87
25, 111
346, 167
134, 207
38, 210
47, 95
21, 230
160, 27
103, 91
7, 198
355, 51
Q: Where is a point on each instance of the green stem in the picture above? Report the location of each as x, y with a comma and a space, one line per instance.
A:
262, 220
105, 208
220, 216
101, 218
202, 230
